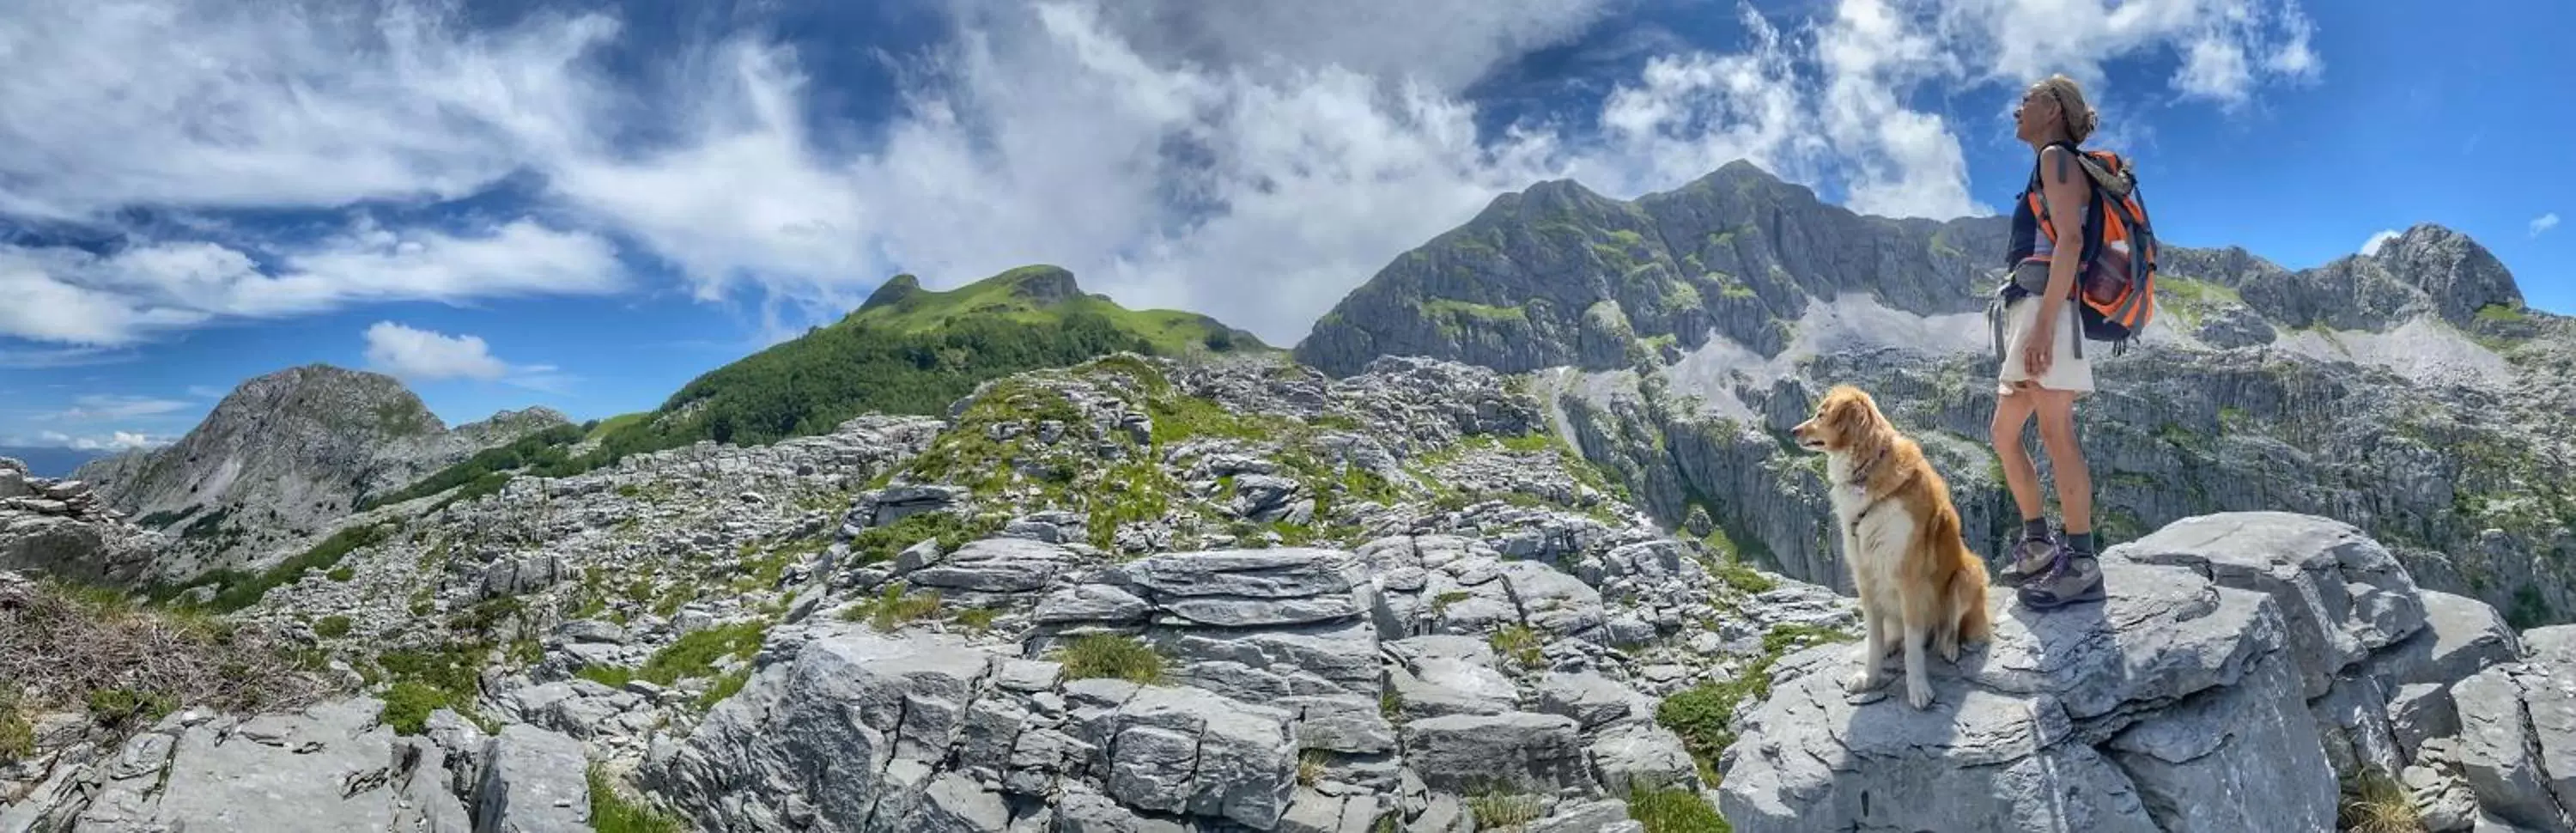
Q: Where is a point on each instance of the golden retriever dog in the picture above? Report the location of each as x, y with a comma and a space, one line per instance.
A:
1917, 579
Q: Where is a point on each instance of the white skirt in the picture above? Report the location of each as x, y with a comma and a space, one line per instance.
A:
2066, 370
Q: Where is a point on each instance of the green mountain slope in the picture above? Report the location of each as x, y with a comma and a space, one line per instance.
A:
908, 350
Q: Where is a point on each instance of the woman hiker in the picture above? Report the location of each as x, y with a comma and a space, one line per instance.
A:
2042, 373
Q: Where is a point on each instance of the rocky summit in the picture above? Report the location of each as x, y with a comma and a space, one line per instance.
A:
284, 456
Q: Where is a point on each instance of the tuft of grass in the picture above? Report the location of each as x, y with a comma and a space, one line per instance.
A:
1520, 644
610, 812
2372, 802
726, 686
1674, 810
1494, 810
1111, 656
977, 619
1310, 766
331, 627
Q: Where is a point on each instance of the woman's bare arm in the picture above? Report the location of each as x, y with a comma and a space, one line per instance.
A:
2065, 186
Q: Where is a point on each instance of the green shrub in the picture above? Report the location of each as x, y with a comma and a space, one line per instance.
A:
331, 627
17, 736
118, 706
409, 703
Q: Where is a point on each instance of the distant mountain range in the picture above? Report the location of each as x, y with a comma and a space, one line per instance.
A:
51, 460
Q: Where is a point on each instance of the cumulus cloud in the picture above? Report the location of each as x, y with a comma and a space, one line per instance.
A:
430, 355
1252, 161
2370, 247
2543, 223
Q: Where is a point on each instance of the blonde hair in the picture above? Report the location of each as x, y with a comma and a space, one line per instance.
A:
2079, 117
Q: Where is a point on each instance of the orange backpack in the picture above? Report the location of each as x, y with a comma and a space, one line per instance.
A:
2116, 284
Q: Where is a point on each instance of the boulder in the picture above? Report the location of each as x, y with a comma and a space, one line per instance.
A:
2175, 705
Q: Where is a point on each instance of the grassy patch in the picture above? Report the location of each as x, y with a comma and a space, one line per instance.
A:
331, 627
610, 812
695, 655
17, 736
892, 608
607, 675
1674, 810
950, 529
1704, 716
425, 681
1111, 656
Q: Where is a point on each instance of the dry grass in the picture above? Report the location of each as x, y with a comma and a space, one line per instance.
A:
77, 647
2376, 803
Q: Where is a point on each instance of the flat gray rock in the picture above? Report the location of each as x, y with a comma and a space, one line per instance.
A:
2108, 716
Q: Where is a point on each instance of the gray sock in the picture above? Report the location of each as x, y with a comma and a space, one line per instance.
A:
2035, 529
2080, 542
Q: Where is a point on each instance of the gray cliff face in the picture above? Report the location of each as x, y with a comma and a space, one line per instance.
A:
2408, 391
286, 454
1555, 274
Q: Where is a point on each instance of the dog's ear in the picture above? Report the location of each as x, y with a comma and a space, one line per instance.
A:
1850, 418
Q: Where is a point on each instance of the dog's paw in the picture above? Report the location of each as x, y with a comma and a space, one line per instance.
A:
1866, 679
1918, 695
1949, 652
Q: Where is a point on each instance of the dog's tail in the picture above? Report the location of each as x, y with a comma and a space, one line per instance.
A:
1968, 596
1967, 584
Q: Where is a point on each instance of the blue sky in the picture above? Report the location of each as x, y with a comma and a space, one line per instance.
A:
584, 205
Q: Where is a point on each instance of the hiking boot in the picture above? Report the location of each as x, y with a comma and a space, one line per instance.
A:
2029, 558
2075, 578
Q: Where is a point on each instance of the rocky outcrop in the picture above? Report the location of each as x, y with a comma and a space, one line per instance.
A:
285, 454
330, 768
59, 528
2338, 391
2243, 664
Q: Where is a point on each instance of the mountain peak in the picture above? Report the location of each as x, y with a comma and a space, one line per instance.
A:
1041, 284
893, 291
2461, 276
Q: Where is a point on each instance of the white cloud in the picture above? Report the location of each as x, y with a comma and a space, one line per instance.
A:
430, 355
1252, 161
2543, 223
205, 392
70, 296
2370, 247
97, 407
113, 441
